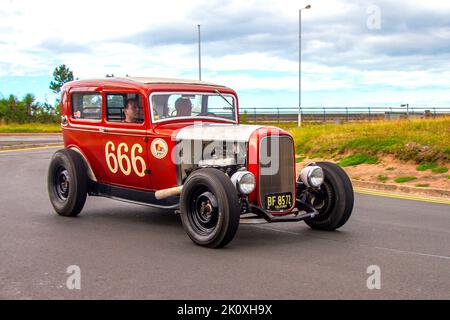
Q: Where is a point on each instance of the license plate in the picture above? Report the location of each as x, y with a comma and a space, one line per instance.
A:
279, 201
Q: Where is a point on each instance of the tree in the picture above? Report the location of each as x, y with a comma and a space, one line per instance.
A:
25, 110
29, 102
61, 75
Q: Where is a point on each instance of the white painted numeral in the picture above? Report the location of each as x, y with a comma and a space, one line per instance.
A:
122, 160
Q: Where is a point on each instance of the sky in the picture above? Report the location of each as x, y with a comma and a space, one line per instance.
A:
354, 53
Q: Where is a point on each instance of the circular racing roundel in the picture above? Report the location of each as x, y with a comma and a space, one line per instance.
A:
159, 148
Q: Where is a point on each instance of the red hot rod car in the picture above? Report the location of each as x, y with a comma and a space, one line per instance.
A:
177, 144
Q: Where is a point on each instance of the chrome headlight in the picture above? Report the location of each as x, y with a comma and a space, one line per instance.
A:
312, 176
244, 181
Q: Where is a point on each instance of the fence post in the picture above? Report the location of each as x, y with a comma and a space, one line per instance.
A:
346, 113
324, 115
278, 115
254, 114
390, 114
369, 113
434, 109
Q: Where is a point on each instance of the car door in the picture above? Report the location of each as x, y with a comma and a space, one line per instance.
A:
125, 144
85, 119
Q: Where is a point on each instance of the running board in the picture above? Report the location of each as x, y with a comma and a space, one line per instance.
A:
134, 196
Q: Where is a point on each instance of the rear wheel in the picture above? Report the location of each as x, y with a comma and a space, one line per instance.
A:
210, 209
333, 200
67, 182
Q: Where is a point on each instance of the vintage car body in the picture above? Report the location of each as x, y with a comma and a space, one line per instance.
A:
244, 171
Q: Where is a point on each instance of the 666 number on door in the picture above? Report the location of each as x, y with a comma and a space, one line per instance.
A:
120, 160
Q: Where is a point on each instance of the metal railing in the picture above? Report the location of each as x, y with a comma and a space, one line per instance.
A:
340, 114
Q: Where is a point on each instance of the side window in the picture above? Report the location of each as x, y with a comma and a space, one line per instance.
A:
124, 107
87, 106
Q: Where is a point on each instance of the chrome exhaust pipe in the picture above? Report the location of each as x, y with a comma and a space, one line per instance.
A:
166, 193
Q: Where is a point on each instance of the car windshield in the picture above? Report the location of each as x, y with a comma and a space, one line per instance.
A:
166, 106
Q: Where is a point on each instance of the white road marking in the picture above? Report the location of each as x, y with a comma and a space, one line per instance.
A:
361, 245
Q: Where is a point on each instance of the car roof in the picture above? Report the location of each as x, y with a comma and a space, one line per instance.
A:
151, 80
140, 82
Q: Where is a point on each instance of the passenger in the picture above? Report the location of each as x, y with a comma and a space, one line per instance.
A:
160, 108
183, 107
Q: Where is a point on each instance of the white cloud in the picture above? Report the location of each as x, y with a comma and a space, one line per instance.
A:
248, 45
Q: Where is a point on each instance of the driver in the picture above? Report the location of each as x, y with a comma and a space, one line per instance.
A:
183, 106
132, 111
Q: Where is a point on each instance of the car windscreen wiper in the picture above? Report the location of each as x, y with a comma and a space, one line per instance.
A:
221, 95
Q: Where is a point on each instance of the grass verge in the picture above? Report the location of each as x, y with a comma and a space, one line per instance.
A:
439, 170
422, 185
421, 140
30, 128
358, 158
404, 179
426, 166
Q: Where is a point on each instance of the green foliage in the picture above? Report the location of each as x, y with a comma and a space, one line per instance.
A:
439, 170
422, 185
299, 159
61, 75
433, 166
25, 110
426, 166
367, 143
382, 178
404, 179
358, 158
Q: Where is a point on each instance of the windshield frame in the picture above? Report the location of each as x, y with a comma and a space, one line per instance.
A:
225, 94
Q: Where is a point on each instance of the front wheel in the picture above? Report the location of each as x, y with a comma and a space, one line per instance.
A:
333, 199
210, 209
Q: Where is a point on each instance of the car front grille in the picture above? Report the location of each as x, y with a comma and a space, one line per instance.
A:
276, 175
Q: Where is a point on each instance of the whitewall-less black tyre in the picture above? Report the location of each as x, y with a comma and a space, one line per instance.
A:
67, 182
210, 209
333, 200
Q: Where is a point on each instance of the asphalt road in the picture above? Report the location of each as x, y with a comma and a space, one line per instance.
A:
129, 251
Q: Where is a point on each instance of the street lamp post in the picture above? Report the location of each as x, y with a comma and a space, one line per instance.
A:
407, 109
300, 65
199, 55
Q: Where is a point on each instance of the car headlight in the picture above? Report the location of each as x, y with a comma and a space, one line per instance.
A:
312, 176
244, 181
